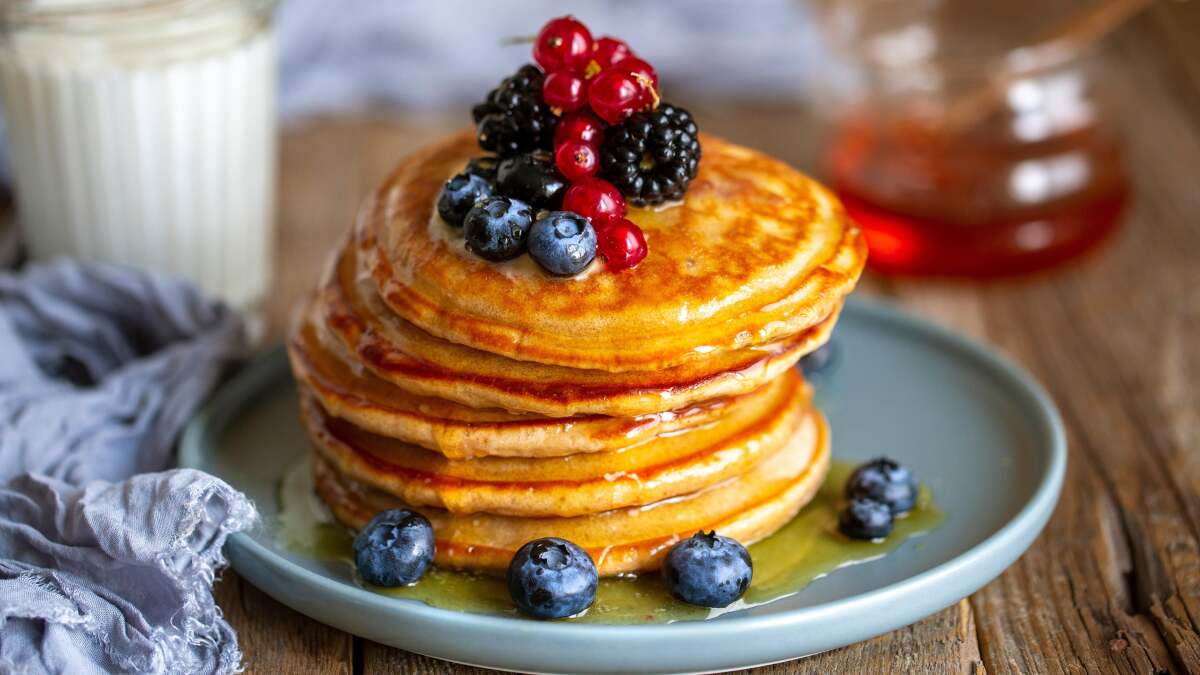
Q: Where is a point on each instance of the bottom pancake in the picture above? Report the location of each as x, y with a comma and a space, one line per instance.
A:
747, 508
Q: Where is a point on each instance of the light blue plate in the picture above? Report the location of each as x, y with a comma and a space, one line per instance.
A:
977, 430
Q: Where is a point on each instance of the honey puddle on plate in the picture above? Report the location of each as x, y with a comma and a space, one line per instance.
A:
807, 548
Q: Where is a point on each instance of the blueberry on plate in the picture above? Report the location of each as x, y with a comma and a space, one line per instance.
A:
552, 578
818, 362
496, 228
708, 570
394, 549
484, 167
533, 179
884, 480
562, 242
459, 195
865, 518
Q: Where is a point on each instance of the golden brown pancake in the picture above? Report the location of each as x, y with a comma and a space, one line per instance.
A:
747, 508
408, 357
350, 392
659, 468
755, 253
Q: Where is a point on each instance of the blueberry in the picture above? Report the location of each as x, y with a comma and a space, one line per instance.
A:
533, 179
394, 549
552, 578
484, 167
819, 361
865, 518
496, 228
562, 242
708, 570
884, 480
459, 194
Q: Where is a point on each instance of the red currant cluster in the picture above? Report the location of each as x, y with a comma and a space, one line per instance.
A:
590, 83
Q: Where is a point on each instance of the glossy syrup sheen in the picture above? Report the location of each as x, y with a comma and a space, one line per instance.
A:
807, 548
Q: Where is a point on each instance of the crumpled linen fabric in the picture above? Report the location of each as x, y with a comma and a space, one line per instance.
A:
106, 557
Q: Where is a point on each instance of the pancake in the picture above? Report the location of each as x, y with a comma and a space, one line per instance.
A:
756, 253
408, 357
747, 508
662, 467
350, 392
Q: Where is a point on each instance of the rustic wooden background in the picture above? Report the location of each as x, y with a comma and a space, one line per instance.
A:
1114, 583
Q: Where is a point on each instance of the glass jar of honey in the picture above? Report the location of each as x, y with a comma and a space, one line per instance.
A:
964, 143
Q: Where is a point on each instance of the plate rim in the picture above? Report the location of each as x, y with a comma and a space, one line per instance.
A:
1027, 523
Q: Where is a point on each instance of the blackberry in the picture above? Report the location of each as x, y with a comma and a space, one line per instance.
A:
513, 118
652, 156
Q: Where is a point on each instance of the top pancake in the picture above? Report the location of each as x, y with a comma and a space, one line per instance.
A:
755, 253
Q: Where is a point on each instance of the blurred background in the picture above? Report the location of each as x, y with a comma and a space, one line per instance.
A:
971, 139
1025, 171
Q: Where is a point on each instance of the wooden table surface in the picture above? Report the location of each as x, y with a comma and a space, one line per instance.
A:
1113, 585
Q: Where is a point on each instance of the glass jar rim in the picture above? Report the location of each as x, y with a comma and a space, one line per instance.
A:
17, 14
124, 34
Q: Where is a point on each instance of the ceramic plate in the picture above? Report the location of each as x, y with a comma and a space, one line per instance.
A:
980, 433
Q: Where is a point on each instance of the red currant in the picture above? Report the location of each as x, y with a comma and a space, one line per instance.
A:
646, 78
576, 161
609, 51
563, 44
565, 91
580, 126
614, 95
597, 200
622, 244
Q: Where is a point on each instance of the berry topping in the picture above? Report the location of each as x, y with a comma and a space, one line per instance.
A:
394, 549
563, 243
552, 578
708, 570
646, 78
597, 200
496, 228
563, 44
652, 156
581, 126
484, 167
884, 480
609, 51
459, 194
596, 104
513, 118
864, 518
532, 179
565, 91
614, 95
622, 244
576, 161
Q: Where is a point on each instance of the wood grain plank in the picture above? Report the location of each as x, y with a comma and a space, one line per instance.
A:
1111, 586
275, 639
377, 658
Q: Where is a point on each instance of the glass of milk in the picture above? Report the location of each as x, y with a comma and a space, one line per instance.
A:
143, 132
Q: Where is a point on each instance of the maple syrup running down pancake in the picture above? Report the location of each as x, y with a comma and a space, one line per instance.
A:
754, 254
634, 539
349, 392
408, 357
659, 468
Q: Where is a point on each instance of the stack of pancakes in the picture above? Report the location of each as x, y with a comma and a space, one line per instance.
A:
619, 410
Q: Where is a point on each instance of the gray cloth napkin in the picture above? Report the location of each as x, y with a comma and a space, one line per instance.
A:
103, 566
